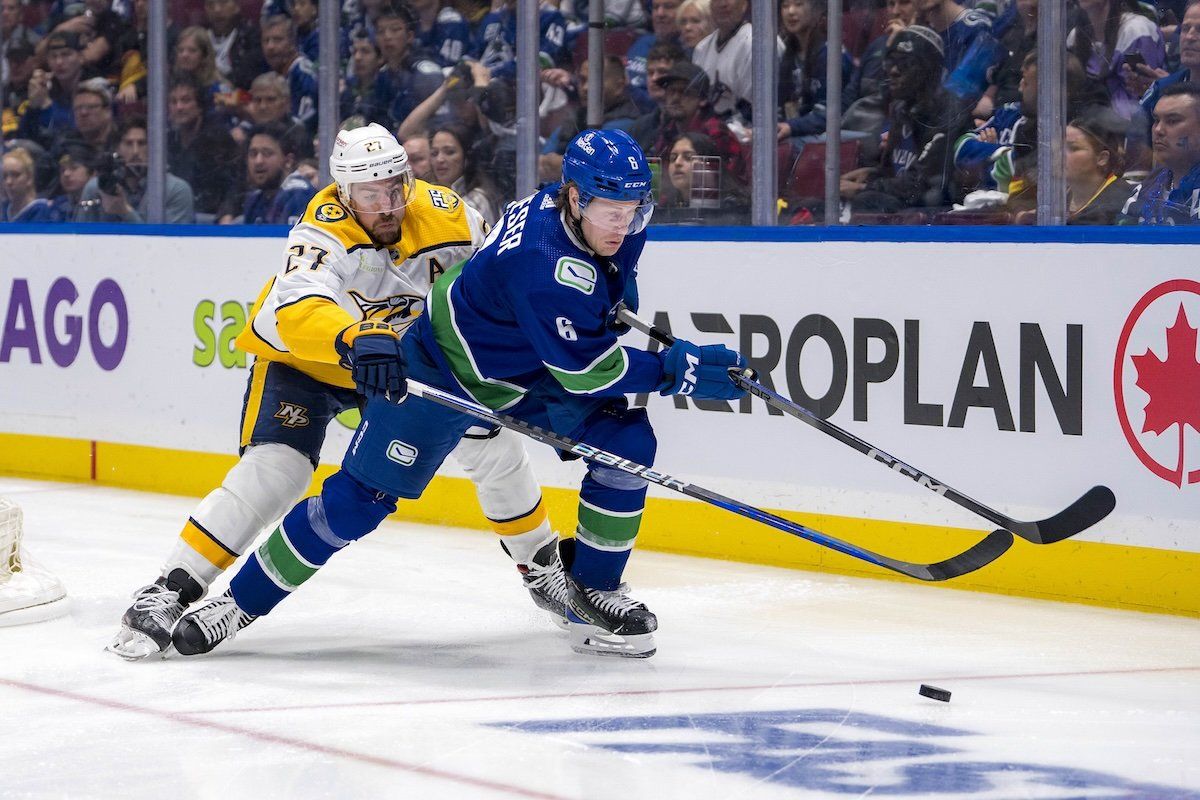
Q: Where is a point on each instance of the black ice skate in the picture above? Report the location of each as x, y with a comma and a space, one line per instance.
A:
146, 625
209, 625
607, 623
547, 582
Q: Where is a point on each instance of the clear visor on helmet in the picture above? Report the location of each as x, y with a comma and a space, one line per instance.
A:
612, 216
382, 196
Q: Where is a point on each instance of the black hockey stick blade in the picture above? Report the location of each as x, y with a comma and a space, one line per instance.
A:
1096, 504
982, 553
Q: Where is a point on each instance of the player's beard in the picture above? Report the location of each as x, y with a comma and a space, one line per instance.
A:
386, 229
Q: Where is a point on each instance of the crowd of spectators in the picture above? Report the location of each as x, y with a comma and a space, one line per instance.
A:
938, 98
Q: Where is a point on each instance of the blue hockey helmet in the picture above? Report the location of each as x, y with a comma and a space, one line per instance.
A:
609, 165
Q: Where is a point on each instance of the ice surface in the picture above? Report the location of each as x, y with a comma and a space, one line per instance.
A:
415, 665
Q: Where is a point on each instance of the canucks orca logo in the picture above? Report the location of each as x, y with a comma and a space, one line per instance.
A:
330, 212
398, 307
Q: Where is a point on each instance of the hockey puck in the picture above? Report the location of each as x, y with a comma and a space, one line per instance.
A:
934, 693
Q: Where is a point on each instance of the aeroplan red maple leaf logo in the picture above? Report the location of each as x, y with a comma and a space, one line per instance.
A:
1173, 385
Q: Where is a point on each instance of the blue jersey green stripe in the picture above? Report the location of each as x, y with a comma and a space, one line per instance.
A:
600, 374
489, 392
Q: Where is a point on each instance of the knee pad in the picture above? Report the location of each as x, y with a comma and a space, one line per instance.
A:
346, 511
626, 433
503, 476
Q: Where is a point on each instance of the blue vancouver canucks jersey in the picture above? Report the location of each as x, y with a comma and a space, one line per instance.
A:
533, 303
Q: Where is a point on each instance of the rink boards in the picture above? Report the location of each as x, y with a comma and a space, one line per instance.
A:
1019, 372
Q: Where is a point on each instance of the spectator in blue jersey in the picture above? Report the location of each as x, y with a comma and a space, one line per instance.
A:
665, 28
276, 194
442, 32
496, 39
1189, 60
48, 113
661, 59
117, 193
619, 112
407, 76
1108, 35
1171, 194
22, 203
308, 34
358, 88
1092, 169
76, 166
1018, 40
967, 41
924, 119
235, 42
284, 59
803, 77
199, 147
992, 149
868, 80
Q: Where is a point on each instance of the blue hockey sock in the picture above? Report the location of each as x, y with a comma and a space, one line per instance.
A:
309, 535
598, 569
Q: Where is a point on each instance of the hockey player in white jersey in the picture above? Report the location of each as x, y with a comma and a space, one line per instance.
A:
325, 330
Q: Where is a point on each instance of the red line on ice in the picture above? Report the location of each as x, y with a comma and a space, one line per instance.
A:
185, 718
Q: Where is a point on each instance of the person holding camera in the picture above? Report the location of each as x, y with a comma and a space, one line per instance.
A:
117, 193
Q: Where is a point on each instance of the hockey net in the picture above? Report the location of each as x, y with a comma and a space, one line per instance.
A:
28, 593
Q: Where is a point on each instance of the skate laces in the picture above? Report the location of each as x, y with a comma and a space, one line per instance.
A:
549, 577
160, 603
616, 601
221, 619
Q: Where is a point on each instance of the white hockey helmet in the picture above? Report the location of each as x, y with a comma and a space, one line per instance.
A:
369, 153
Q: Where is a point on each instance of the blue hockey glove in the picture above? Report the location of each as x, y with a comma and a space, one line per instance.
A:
371, 351
701, 373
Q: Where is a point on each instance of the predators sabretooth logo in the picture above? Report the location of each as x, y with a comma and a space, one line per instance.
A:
398, 307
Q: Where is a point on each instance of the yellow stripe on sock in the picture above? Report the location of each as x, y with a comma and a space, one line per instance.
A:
522, 524
206, 546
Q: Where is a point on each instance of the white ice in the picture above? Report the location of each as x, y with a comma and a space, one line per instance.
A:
415, 665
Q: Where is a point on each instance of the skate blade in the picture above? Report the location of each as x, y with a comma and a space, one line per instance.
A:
593, 641
134, 645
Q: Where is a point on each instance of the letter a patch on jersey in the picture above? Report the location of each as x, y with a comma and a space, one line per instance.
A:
292, 415
576, 274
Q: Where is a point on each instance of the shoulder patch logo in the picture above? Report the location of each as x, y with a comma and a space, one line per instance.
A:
576, 274
547, 202
330, 212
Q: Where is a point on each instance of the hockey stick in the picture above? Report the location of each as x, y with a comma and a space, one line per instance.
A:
1093, 506
978, 555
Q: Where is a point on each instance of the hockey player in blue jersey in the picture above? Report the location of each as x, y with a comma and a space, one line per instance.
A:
524, 326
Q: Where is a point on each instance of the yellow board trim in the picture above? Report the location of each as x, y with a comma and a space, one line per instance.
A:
522, 524
1118, 576
199, 541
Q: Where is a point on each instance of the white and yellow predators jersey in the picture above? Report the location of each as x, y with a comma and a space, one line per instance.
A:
333, 276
